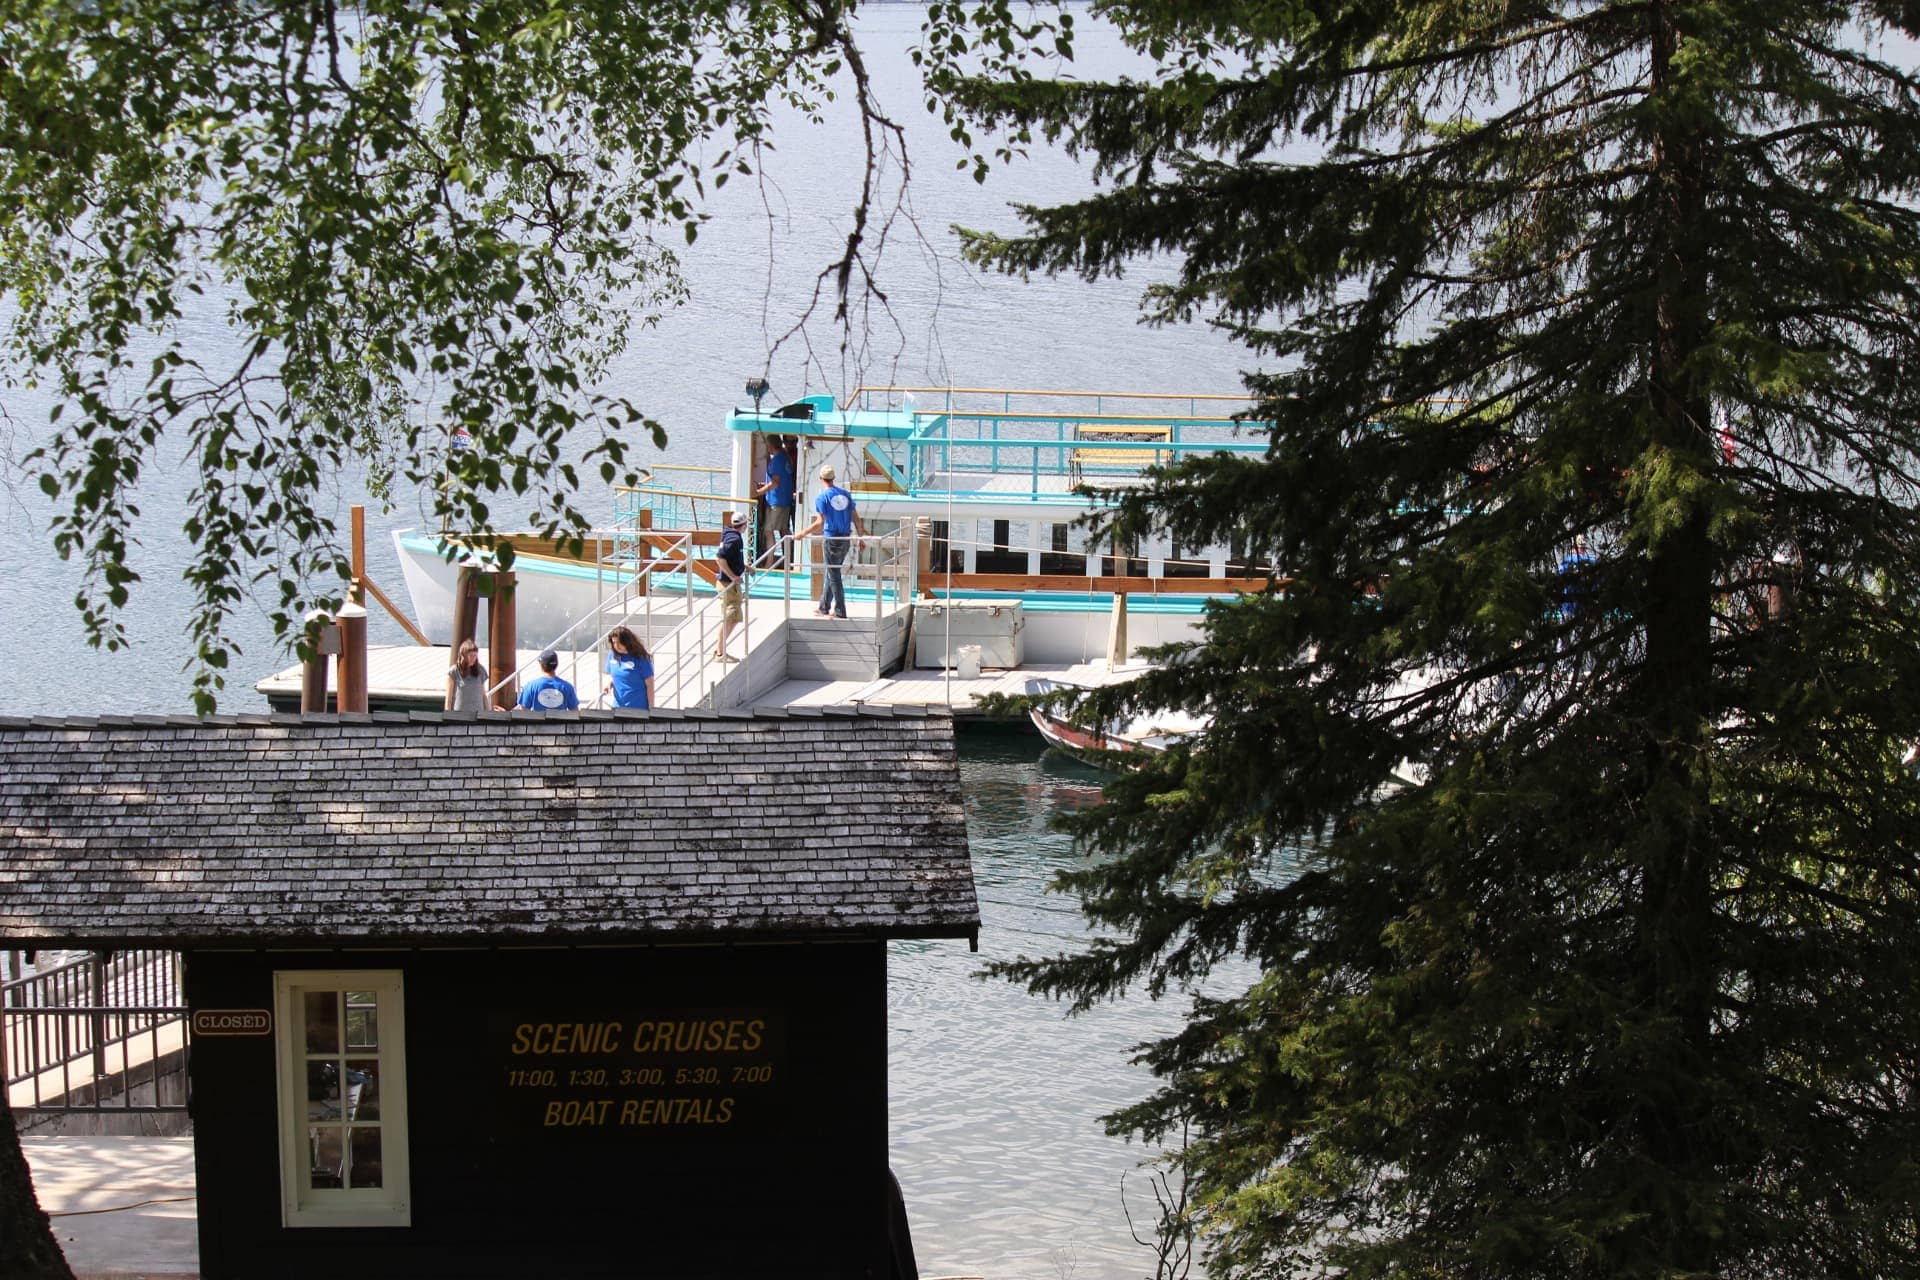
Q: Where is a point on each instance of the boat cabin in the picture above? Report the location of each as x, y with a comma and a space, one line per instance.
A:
593, 994
1001, 475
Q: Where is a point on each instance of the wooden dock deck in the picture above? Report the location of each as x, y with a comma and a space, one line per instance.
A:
414, 678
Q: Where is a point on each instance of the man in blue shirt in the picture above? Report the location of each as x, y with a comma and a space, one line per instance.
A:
729, 571
776, 517
549, 692
835, 514
1576, 585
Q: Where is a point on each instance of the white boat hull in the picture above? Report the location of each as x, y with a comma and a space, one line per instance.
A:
549, 597
553, 595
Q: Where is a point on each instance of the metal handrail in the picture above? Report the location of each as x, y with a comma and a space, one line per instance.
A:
65, 1035
675, 553
891, 565
84, 994
670, 687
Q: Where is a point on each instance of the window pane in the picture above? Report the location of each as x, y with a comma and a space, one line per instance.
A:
325, 1146
366, 1157
323, 1091
363, 1020
363, 1089
322, 1021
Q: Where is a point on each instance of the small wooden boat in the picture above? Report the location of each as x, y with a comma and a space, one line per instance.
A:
1140, 737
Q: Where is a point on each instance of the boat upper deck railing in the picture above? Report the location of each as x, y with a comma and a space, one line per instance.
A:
1039, 403
969, 442
679, 497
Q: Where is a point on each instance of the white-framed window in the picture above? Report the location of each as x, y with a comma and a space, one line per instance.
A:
339, 1042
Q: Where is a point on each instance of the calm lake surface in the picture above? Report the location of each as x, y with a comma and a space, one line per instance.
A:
996, 1097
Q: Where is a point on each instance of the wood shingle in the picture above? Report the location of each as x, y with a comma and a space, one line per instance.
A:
419, 828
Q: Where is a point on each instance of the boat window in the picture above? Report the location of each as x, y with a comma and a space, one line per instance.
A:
942, 556
1060, 558
1241, 562
1002, 556
1187, 562
343, 1107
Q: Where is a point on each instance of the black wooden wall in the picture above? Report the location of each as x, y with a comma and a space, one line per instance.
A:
794, 1184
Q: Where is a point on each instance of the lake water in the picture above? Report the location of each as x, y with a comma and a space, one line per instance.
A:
995, 1096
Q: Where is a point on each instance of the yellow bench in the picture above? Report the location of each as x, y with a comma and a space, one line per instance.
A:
1105, 461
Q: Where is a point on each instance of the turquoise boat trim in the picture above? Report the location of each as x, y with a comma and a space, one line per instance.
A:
552, 566
767, 586
886, 465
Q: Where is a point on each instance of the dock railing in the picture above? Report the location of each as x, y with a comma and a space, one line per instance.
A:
91, 1034
881, 566
633, 585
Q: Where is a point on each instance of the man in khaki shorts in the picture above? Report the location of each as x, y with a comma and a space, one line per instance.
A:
730, 571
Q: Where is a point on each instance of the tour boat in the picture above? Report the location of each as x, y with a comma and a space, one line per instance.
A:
972, 499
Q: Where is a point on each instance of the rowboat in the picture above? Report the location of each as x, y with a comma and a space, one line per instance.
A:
1138, 737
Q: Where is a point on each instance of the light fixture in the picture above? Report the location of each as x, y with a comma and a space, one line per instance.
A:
757, 388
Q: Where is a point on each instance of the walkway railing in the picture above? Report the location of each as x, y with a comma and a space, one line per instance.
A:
880, 568
883, 564
634, 575
103, 1033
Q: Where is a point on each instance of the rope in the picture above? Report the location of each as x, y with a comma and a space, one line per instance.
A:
121, 1208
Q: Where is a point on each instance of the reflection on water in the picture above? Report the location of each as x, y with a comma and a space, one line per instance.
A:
996, 1095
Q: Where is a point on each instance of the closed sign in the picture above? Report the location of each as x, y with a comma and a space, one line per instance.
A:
232, 1022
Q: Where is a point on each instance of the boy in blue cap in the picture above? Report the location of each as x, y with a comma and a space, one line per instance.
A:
549, 692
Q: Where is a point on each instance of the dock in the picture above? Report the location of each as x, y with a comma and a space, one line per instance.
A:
414, 678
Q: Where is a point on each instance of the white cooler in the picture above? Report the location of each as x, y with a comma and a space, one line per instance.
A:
992, 625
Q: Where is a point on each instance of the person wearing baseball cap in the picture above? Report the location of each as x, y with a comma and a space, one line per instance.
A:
834, 513
549, 692
730, 570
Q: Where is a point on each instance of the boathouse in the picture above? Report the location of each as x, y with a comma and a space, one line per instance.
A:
580, 995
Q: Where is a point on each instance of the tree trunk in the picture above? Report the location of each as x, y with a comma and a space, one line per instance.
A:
1675, 929
28, 1249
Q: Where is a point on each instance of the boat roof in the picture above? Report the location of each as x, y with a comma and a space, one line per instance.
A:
826, 420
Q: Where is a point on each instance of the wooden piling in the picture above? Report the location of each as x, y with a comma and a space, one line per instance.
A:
466, 605
357, 589
323, 641
353, 658
503, 651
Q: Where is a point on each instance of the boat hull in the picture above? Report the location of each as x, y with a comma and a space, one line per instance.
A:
552, 594
1087, 745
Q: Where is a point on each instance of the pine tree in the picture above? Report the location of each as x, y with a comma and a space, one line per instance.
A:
1626, 986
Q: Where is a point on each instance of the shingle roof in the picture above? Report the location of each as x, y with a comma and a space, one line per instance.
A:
422, 828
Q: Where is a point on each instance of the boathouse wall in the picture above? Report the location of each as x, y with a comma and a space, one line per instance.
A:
386, 920
496, 1192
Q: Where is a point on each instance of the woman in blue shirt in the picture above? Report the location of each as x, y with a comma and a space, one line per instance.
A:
629, 670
